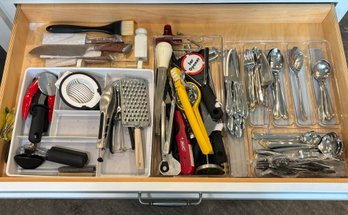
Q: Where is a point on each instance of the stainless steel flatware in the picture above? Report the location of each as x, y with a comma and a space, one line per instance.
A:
249, 65
276, 61
260, 97
296, 60
236, 106
321, 71
259, 77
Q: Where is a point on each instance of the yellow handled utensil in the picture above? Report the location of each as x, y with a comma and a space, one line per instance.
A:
204, 145
194, 95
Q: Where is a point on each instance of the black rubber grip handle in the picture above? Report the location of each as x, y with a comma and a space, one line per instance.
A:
218, 147
69, 29
209, 100
67, 157
198, 156
28, 161
39, 122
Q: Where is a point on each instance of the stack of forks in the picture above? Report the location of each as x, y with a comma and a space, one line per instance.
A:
259, 77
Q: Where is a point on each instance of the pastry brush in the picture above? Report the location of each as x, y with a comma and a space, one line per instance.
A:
120, 27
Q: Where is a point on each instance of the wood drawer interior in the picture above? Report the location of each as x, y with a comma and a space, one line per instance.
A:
234, 22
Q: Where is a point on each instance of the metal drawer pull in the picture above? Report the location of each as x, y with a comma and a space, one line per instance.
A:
169, 202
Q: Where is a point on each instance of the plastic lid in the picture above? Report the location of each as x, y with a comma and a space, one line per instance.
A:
140, 31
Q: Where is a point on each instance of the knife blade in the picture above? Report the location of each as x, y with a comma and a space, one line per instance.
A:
232, 66
267, 77
79, 50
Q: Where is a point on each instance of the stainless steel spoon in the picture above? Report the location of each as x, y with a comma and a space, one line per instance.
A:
276, 61
310, 138
321, 71
331, 145
296, 59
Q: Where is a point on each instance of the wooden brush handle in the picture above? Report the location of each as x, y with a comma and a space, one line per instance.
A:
139, 154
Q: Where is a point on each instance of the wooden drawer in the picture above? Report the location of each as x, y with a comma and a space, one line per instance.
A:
289, 22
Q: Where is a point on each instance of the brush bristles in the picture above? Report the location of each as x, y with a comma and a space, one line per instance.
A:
127, 28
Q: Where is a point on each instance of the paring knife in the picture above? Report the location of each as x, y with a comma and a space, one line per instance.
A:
79, 50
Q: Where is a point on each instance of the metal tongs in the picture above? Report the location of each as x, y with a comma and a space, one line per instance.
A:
107, 108
169, 165
111, 133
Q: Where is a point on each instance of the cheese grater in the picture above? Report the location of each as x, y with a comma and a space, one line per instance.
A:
135, 111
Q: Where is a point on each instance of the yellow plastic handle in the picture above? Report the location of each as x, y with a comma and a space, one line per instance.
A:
198, 114
205, 146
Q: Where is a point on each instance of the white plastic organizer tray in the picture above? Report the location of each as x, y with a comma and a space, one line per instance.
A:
78, 129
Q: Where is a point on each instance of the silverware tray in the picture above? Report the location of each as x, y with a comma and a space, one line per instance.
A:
262, 121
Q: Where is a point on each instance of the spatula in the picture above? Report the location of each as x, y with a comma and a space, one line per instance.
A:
135, 112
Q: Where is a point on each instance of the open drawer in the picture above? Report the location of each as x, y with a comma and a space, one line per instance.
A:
286, 22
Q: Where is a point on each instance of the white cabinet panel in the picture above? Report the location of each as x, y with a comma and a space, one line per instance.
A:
5, 34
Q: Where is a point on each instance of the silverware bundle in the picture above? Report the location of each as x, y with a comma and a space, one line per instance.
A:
329, 145
263, 72
259, 77
276, 62
320, 72
292, 155
236, 107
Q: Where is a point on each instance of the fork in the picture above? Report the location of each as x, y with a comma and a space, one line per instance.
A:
249, 64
